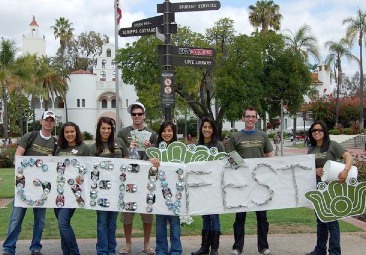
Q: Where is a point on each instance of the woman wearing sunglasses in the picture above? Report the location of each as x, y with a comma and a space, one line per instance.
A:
325, 149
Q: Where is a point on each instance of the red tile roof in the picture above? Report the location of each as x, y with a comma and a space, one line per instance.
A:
34, 22
81, 72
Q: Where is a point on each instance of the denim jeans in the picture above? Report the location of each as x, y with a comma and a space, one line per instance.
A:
161, 235
323, 230
15, 226
68, 239
262, 230
211, 222
106, 232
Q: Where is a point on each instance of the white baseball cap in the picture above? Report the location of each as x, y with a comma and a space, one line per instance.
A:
48, 114
138, 104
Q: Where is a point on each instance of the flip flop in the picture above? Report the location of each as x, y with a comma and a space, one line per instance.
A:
149, 251
125, 250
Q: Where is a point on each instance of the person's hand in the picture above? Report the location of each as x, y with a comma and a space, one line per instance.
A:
155, 162
319, 171
342, 176
147, 144
133, 144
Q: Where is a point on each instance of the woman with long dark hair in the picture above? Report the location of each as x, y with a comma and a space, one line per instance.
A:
70, 143
211, 223
109, 147
326, 149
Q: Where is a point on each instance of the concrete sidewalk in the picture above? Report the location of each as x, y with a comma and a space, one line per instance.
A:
289, 244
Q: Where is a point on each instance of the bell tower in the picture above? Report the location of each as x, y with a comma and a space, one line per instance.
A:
32, 42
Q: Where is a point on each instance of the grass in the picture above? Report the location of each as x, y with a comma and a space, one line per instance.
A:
295, 220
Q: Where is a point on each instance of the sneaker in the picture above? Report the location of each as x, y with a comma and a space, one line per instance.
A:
265, 252
36, 252
235, 252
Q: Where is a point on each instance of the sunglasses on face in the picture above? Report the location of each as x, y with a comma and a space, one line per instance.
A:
317, 130
137, 114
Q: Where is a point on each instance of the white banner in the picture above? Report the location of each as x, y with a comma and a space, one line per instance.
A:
195, 188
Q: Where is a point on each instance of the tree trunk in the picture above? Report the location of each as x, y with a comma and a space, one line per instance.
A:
362, 120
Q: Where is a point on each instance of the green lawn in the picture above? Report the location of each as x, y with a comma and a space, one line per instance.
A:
296, 220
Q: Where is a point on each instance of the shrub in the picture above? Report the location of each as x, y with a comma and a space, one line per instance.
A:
348, 131
7, 156
360, 162
334, 132
87, 136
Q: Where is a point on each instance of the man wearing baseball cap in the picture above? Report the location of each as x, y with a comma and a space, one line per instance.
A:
36, 143
128, 134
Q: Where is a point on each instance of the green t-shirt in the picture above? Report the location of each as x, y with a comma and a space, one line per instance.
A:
252, 144
218, 145
78, 150
39, 147
334, 152
119, 152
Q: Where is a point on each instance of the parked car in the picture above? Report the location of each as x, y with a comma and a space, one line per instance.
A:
299, 136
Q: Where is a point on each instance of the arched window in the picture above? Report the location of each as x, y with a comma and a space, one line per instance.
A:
109, 53
113, 103
104, 103
78, 103
113, 63
82, 102
103, 63
59, 102
113, 75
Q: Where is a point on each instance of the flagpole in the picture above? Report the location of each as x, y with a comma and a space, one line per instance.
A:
118, 119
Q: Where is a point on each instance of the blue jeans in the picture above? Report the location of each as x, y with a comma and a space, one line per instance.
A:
323, 230
106, 232
262, 230
161, 235
15, 226
211, 222
68, 239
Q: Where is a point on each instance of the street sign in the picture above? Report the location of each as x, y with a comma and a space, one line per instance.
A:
188, 51
150, 22
130, 31
189, 61
167, 89
191, 6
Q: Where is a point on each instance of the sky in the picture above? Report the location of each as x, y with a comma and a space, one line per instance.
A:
323, 16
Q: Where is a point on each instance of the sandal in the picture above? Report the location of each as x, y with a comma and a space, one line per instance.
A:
125, 250
149, 251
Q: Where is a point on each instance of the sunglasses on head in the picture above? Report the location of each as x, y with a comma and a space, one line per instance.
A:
137, 113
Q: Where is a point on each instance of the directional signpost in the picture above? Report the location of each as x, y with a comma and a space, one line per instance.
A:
170, 56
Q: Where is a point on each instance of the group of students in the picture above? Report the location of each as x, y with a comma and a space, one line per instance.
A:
249, 143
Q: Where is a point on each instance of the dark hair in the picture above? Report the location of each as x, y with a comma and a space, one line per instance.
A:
62, 142
161, 129
98, 139
326, 139
214, 136
250, 108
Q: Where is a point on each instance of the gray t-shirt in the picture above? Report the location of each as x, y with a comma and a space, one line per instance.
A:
78, 150
252, 144
39, 147
119, 152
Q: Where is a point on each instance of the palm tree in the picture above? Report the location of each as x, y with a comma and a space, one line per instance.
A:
50, 82
303, 42
357, 27
63, 30
7, 57
337, 50
265, 14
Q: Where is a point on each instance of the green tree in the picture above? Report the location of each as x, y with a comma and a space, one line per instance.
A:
357, 28
64, 31
337, 51
265, 14
303, 42
7, 58
49, 81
